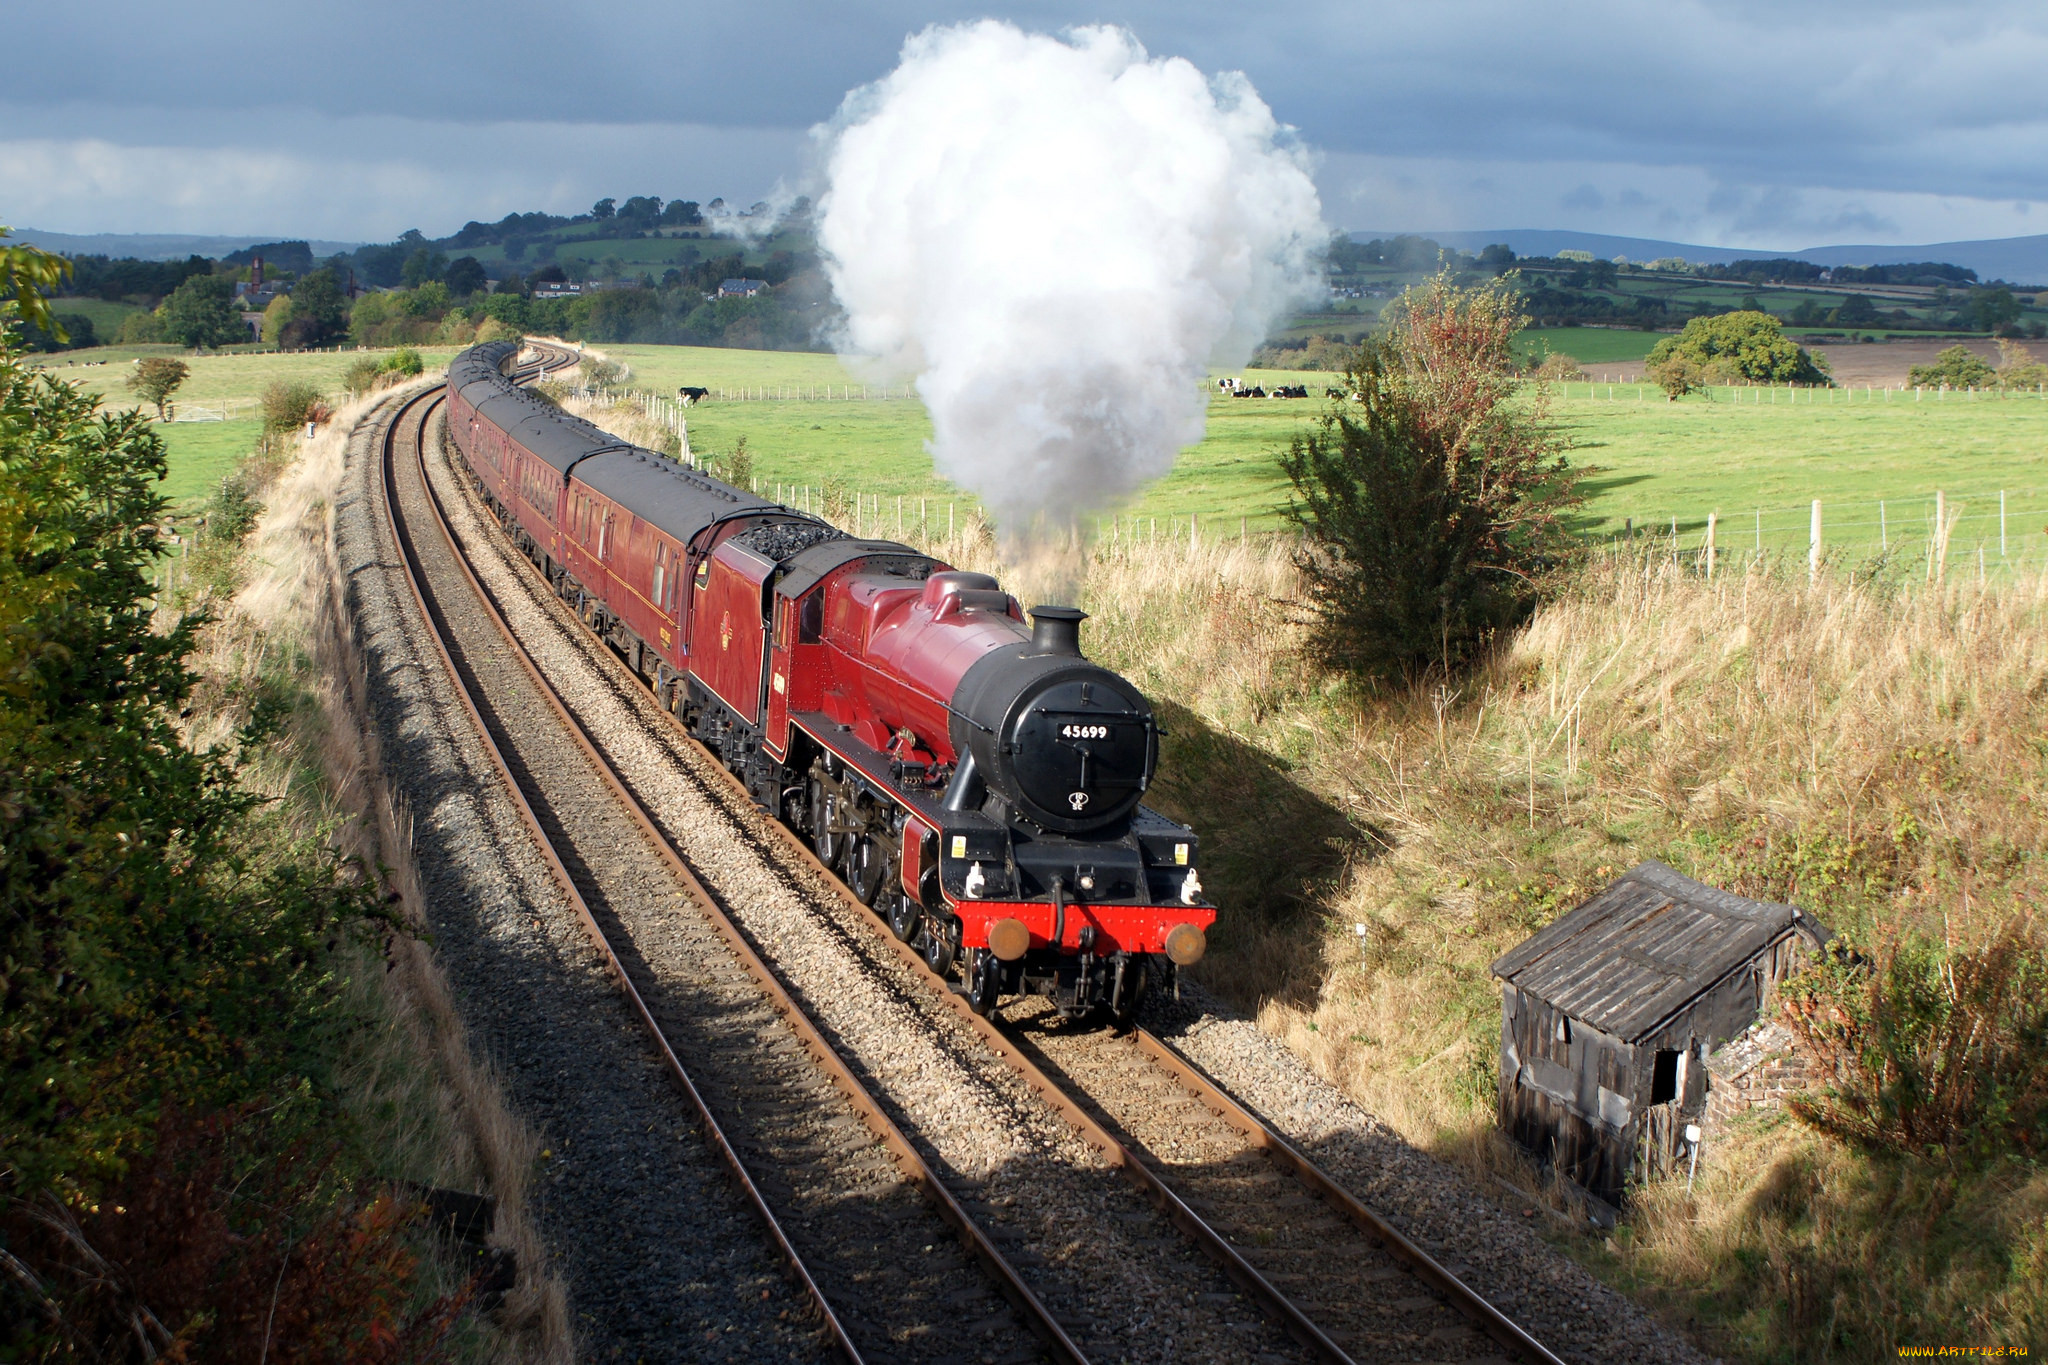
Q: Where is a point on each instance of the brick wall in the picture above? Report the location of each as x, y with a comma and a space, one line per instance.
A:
1757, 1070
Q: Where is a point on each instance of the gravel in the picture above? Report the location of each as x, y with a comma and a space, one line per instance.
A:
1117, 1275
1501, 1256
662, 1258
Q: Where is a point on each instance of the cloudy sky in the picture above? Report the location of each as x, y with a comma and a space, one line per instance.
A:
1741, 123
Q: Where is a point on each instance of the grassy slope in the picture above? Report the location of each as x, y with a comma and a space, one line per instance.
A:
1868, 756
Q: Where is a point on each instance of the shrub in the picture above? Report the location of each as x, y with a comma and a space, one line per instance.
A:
491, 329
1956, 367
1747, 344
603, 375
289, 405
1432, 504
1556, 367
406, 361
1935, 1051
361, 374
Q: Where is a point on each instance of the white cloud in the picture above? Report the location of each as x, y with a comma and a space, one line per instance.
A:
364, 178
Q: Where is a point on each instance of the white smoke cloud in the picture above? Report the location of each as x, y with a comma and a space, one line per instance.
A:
1057, 237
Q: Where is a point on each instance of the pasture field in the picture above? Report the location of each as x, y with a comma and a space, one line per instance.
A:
106, 315
215, 378
201, 454
1733, 452
1587, 345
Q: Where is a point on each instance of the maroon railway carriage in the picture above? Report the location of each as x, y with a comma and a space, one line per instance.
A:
977, 781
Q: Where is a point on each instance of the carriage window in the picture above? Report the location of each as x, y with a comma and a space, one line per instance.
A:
604, 534
660, 576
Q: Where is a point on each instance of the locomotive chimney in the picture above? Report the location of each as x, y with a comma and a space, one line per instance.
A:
1057, 630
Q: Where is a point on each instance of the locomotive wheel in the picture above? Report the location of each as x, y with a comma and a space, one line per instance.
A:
985, 982
938, 947
904, 915
824, 842
866, 868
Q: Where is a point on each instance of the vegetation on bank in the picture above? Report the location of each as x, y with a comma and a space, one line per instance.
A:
203, 1095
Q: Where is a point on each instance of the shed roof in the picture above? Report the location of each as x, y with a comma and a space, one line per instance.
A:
1637, 952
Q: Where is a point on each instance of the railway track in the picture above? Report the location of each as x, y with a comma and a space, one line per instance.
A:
859, 1218
1344, 1284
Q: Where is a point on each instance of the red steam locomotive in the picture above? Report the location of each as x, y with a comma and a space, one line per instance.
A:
976, 782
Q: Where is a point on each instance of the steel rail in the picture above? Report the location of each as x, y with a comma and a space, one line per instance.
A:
614, 966
973, 1239
1460, 1296
1290, 1158
1298, 1324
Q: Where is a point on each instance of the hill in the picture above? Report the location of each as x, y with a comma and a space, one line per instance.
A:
2015, 259
156, 246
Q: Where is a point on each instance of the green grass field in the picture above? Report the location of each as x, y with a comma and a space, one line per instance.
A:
201, 454
215, 379
1734, 453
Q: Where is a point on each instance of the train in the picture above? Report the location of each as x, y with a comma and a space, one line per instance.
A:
971, 777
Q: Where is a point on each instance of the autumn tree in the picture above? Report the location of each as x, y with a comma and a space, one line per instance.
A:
1431, 500
156, 379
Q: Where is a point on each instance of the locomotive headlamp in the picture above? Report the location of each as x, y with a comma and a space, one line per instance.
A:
1008, 939
1185, 945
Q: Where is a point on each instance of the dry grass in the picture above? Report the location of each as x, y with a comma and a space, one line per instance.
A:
435, 1112
1869, 750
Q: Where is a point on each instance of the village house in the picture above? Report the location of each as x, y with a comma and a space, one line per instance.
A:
1609, 1016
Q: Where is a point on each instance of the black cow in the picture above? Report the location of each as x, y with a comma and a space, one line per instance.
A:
692, 396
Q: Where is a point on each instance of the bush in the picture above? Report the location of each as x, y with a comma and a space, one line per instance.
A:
2017, 368
1935, 1051
1432, 504
1731, 346
361, 374
156, 378
1956, 367
289, 405
405, 361
1557, 367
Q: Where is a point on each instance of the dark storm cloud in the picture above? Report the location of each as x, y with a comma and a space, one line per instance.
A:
1865, 98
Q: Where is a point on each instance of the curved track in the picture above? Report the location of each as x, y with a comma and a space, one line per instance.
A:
834, 1182
1344, 1283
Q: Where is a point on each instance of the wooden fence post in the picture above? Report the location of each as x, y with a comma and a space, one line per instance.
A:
1712, 517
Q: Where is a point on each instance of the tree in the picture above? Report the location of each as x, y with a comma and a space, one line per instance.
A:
200, 312
2017, 368
275, 317
1432, 502
681, 213
423, 265
290, 405
1954, 368
1855, 311
156, 379
27, 276
1730, 346
1994, 308
465, 276
319, 312
603, 208
1498, 258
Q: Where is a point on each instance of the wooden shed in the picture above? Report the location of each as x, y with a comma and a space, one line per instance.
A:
1607, 1016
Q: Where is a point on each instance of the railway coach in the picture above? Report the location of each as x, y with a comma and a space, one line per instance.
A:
976, 781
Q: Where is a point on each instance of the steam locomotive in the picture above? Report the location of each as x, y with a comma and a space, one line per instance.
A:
976, 782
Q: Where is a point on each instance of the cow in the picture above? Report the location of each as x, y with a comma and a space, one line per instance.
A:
691, 397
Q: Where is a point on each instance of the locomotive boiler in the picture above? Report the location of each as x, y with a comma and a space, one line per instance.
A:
977, 781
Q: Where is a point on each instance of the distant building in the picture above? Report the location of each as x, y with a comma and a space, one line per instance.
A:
1609, 1014
557, 289
741, 289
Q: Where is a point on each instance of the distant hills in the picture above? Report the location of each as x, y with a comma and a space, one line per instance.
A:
158, 246
2017, 260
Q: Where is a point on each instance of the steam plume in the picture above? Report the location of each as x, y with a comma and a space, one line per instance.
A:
1057, 236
